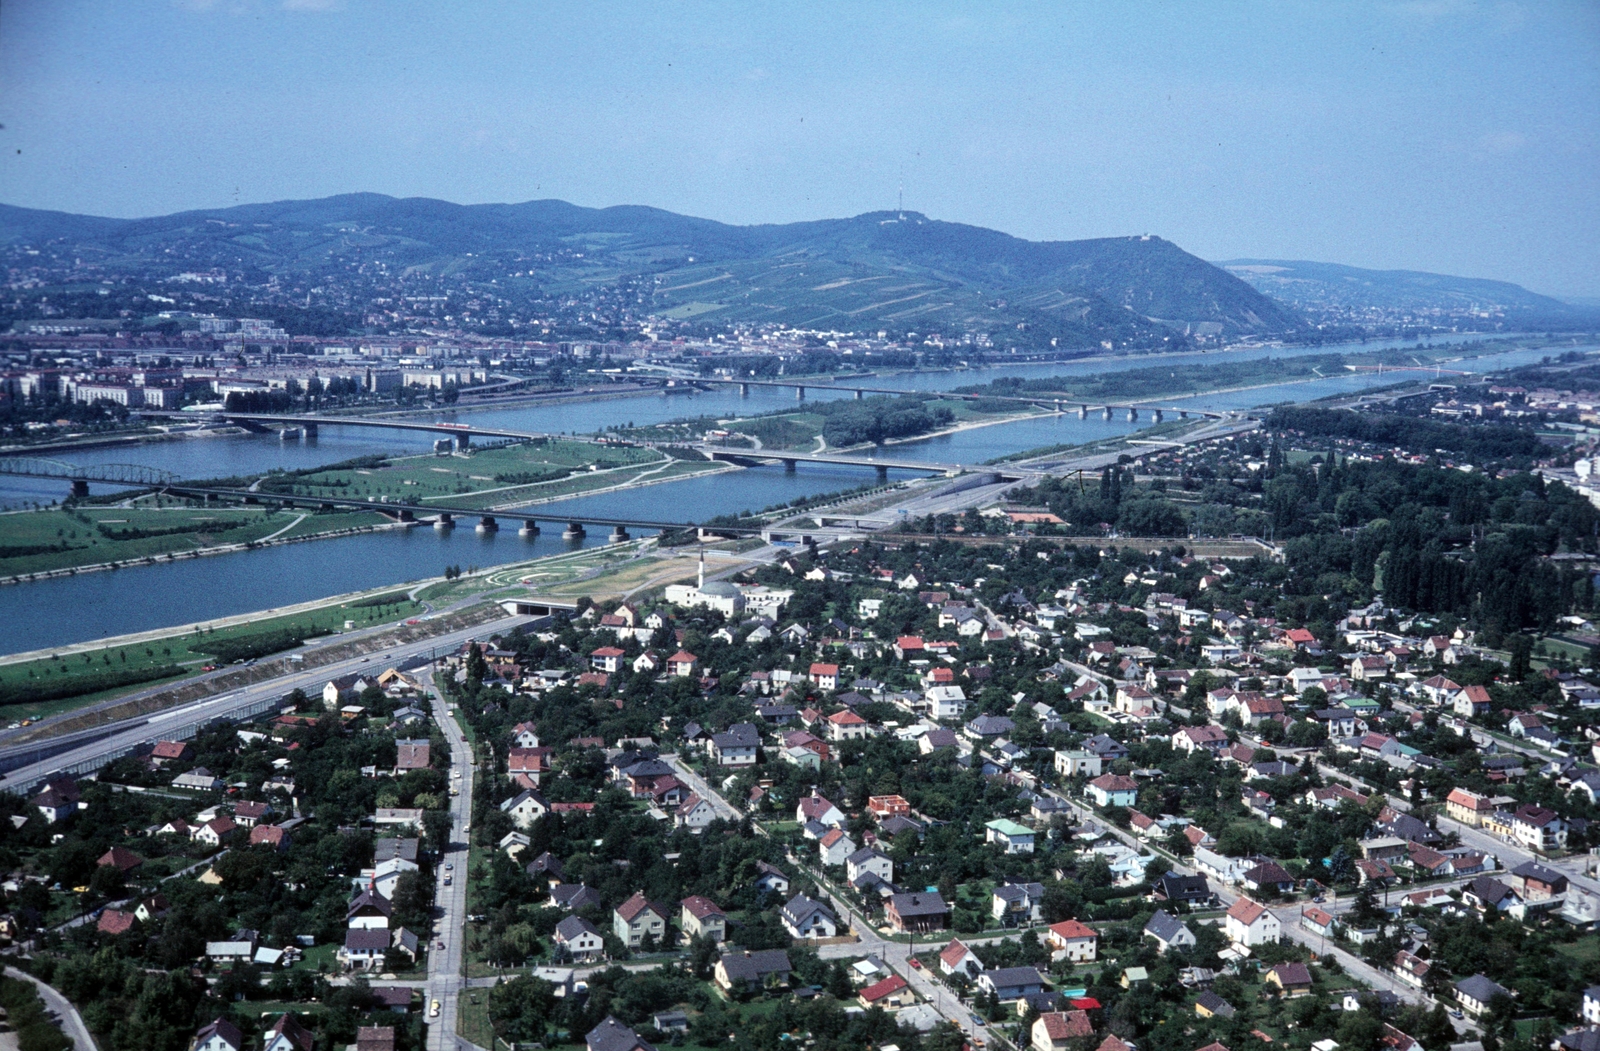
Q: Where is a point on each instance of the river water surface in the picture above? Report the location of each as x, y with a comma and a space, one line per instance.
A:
94, 605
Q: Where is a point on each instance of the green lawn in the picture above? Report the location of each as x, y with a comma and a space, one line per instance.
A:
58, 538
472, 1017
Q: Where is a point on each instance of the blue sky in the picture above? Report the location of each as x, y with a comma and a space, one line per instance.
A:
1434, 135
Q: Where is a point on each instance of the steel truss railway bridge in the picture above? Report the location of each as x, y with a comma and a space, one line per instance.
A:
80, 475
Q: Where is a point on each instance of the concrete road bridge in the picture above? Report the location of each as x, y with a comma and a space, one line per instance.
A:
447, 517
461, 433
882, 465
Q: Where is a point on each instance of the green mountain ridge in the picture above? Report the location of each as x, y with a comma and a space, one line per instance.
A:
897, 270
1331, 286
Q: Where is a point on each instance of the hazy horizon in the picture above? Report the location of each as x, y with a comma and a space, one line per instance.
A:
1446, 137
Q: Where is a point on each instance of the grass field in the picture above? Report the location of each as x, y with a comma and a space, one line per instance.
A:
442, 478
59, 538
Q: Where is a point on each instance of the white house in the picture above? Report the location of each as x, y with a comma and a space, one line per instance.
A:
220, 1035
869, 859
834, 847
525, 807
1251, 923
805, 917
945, 702
694, 813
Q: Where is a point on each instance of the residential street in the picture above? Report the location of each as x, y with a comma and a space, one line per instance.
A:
445, 966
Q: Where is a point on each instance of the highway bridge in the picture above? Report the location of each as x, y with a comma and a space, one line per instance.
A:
80, 475
446, 517
882, 465
461, 433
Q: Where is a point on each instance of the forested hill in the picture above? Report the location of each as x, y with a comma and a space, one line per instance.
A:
896, 270
1319, 287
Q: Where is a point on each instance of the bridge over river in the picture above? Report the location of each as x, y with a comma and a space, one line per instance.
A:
446, 517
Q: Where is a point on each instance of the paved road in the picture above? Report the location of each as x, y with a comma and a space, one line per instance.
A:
71, 1020
896, 954
152, 728
1288, 918
445, 966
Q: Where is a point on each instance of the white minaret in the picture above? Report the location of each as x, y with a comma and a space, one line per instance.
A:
702, 583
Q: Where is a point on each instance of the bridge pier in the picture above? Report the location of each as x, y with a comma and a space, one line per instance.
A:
487, 524
529, 530
463, 442
1156, 415
883, 473
744, 390
1083, 412
1058, 406
574, 531
859, 393
80, 487
444, 521
1133, 414
309, 430
788, 467
618, 535
799, 393
408, 516
1182, 415
1108, 412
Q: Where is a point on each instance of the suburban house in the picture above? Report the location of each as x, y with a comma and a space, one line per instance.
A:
1011, 983
1113, 790
1010, 836
1477, 993
220, 1035
580, 939
920, 911
287, 1034
958, 958
816, 808
1056, 1030
699, 917
1078, 940
612, 1035
637, 919
1168, 931
805, 917
1294, 979
869, 860
835, 846
746, 969
737, 746
1249, 922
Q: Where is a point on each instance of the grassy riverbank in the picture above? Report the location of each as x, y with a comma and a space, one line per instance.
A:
43, 686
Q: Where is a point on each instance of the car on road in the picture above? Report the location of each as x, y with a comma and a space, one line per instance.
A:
433, 1009
449, 866
439, 944
447, 879
916, 963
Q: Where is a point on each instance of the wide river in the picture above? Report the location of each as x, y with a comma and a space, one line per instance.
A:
94, 605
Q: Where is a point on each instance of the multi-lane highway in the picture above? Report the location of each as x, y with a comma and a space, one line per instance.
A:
237, 703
